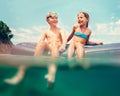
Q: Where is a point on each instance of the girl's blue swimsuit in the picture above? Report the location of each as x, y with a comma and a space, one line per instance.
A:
80, 34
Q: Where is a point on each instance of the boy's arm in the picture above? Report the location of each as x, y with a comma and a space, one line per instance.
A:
64, 41
43, 36
37, 49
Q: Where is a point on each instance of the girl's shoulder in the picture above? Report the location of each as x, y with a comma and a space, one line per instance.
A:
89, 31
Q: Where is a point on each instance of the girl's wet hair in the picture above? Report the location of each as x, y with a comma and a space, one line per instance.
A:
86, 16
51, 14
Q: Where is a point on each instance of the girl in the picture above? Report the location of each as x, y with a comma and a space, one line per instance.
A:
80, 34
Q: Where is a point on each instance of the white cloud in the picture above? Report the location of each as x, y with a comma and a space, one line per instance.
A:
39, 28
118, 22
26, 31
27, 34
112, 28
107, 32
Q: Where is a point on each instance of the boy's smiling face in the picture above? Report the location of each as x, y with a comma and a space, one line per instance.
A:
52, 18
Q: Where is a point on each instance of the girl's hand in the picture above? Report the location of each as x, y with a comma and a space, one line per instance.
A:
99, 43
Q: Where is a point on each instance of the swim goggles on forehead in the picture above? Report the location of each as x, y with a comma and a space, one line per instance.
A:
51, 14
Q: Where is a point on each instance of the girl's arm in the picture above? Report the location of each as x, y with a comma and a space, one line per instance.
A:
93, 43
71, 35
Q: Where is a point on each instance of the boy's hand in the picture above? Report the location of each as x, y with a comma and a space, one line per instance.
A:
61, 48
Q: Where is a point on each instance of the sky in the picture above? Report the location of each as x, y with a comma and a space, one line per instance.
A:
26, 18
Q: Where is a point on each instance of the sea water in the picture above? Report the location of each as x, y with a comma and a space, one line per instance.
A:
92, 76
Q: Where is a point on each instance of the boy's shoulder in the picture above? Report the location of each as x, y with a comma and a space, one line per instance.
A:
46, 30
62, 30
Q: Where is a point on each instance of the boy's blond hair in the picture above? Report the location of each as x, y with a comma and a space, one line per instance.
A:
51, 14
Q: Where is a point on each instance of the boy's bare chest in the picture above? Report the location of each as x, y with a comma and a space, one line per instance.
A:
53, 34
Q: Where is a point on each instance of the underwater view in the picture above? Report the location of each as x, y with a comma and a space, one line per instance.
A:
98, 74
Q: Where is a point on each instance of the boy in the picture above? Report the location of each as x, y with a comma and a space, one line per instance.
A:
52, 40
